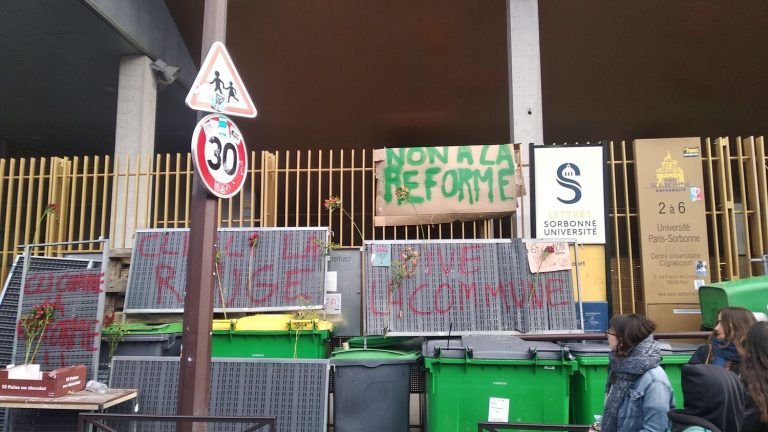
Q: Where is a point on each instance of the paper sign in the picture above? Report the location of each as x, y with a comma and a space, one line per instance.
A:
330, 281
498, 410
541, 261
333, 304
381, 255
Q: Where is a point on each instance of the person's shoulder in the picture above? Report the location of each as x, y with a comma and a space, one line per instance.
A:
700, 355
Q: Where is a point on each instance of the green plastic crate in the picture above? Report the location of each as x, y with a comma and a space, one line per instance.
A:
459, 391
304, 344
751, 293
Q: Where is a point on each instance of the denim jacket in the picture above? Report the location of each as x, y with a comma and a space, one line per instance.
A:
645, 407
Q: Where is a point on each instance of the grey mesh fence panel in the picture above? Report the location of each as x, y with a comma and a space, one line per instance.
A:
9, 304
286, 268
74, 336
293, 391
466, 287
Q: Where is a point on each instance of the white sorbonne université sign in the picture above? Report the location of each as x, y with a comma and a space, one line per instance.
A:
570, 195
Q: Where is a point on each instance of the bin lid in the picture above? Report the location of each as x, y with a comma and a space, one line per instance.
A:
590, 348
143, 328
492, 347
371, 357
377, 341
677, 347
263, 322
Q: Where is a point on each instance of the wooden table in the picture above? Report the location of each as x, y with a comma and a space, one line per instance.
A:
79, 401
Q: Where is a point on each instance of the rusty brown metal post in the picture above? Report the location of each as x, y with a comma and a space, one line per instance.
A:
195, 363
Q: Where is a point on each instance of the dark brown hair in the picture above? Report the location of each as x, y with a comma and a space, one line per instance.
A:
754, 368
736, 322
630, 330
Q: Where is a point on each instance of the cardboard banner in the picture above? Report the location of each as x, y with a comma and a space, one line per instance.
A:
446, 184
671, 216
569, 190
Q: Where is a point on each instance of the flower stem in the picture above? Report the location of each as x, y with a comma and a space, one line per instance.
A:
221, 289
39, 339
362, 237
421, 227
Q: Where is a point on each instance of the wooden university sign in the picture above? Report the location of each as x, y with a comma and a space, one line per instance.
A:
446, 184
671, 213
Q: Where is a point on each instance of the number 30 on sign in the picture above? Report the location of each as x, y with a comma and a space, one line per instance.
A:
219, 155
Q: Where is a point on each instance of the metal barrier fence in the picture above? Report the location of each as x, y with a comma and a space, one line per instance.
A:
97, 421
113, 196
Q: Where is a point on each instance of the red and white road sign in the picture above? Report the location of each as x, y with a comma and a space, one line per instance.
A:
219, 155
218, 87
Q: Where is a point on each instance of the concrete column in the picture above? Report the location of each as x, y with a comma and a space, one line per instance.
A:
134, 148
524, 74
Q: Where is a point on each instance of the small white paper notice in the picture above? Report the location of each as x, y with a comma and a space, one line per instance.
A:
498, 410
330, 281
333, 304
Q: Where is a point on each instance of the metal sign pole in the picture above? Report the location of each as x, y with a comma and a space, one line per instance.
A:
195, 365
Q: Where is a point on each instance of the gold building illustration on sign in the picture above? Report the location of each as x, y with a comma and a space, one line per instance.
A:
669, 174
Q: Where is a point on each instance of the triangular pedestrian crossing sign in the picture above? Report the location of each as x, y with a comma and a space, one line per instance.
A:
218, 87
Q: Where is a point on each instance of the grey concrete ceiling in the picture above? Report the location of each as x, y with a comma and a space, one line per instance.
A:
368, 74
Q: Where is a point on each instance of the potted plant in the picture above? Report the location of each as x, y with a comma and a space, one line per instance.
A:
33, 325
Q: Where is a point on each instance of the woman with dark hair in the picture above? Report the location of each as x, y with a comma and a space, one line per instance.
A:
726, 345
638, 392
754, 374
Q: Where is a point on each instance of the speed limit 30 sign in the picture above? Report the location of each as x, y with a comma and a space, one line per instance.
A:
219, 155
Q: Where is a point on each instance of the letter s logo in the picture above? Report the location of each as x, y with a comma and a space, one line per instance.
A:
565, 174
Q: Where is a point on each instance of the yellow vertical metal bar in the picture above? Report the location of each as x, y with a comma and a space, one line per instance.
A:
94, 196
752, 205
123, 221
252, 195
713, 211
30, 193
7, 246
298, 187
166, 191
114, 218
352, 174
262, 189
332, 191
137, 182
628, 220
41, 198
176, 190
364, 163
19, 202
286, 184
147, 204
744, 207
72, 174
189, 175
350, 203
104, 196
83, 193
5, 204
320, 188
762, 187
726, 194
156, 196
615, 217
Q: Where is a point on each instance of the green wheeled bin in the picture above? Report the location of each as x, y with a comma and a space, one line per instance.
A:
371, 389
588, 381
673, 356
495, 378
271, 336
751, 293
